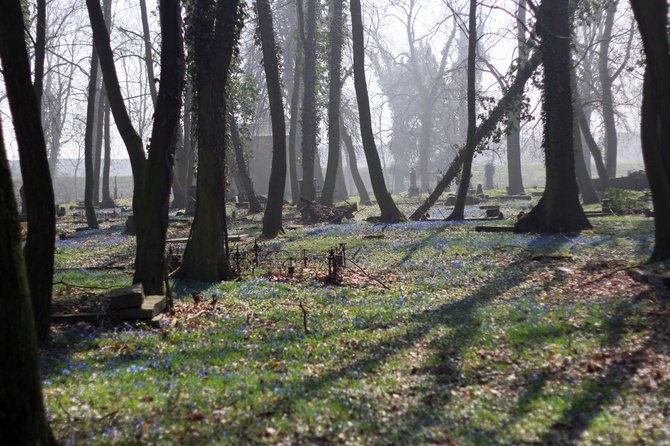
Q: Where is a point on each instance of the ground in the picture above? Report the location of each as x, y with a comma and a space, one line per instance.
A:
432, 334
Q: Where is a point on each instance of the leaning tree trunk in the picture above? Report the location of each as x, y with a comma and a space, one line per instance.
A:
389, 211
272, 220
483, 131
652, 18
150, 268
559, 210
39, 195
22, 415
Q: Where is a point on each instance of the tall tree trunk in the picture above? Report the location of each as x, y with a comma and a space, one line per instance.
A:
89, 182
184, 156
148, 52
389, 211
363, 195
606, 81
107, 201
588, 192
293, 124
22, 415
459, 209
272, 220
341, 193
243, 168
99, 140
652, 19
129, 135
559, 210
214, 37
335, 93
514, 176
40, 50
150, 268
309, 116
39, 248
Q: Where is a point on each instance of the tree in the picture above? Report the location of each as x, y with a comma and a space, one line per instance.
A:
131, 138
515, 179
559, 209
247, 184
22, 416
91, 218
40, 242
294, 106
152, 222
212, 34
389, 211
310, 121
353, 165
458, 212
272, 220
652, 20
334, 96
484, 130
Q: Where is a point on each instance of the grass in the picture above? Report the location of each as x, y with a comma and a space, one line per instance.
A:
438, 335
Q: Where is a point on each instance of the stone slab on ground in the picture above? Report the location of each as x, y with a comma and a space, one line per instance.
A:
128, 297
659, 279
151, 306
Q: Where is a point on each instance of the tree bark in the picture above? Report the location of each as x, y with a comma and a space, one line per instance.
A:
559, 210
293, 124
334, 97
89, 181
129, 135
606, 81
309, 116
150, 268
459, 208
243, 168
483, 131
22, 415
214, 36
389, 211
272, 219
363, 195
514, 176
652, 19
39, 248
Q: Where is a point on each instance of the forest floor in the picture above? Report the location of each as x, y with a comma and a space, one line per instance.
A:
430, 333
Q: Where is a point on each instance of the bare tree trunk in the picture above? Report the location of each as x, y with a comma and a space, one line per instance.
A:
459, 208
39, 248
606, 81
91, 218
309, 116
514, 176
148, 52
293, 125
243, 168
107, 201
353, 166
652, 20
389, 211
131, 138
272, 219
335, 93
22, 417
152, 222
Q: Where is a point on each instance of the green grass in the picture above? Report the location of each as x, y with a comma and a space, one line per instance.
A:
468, 341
